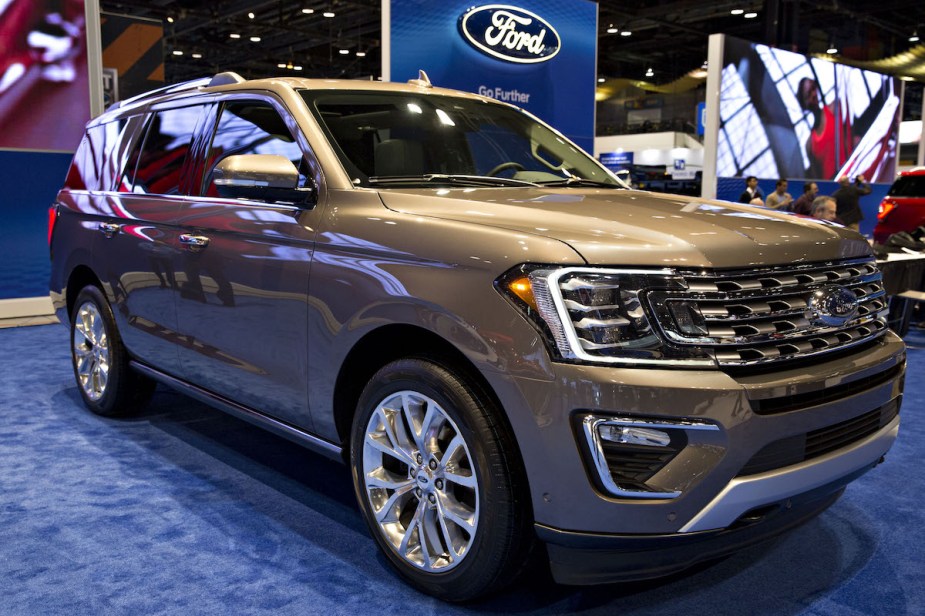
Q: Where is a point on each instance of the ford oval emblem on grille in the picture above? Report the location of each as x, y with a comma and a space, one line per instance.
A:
832, 306
509, 33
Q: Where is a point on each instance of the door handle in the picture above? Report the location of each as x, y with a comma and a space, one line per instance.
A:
195, 243
109, 229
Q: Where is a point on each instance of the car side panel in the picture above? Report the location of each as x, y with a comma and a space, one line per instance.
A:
243, 301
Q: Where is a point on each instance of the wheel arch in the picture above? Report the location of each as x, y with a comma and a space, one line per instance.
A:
80, 277
390, 342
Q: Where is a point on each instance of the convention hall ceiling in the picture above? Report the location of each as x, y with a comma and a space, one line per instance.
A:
669, 37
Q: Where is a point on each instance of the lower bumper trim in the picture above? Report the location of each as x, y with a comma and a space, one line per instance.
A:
745, 493
585, 559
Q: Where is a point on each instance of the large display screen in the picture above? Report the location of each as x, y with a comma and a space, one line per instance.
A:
44, 82
785, 115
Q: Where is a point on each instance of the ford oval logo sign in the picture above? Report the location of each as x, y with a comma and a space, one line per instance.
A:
509, 33
832, 306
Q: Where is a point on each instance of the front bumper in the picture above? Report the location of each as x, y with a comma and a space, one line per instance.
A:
713, 482
584, 558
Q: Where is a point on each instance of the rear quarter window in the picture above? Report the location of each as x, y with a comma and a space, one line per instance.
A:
100, 156
908, 186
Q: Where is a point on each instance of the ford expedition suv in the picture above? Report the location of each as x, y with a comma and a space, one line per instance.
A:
517, 355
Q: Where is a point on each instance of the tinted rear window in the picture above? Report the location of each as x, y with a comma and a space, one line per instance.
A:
160, 163
908, 186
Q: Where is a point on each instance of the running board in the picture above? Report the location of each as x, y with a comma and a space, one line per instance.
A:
309, 441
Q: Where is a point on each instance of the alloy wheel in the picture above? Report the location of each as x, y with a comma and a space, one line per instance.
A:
420, 481
91, 351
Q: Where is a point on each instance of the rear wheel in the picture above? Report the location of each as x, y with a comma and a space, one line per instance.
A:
437, 480
106, 383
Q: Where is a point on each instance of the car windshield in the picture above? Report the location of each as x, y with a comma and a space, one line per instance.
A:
407, 139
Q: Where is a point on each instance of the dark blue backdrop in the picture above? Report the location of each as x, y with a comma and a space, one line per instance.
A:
30, 181
425, 35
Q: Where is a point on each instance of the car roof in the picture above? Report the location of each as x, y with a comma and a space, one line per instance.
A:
231, 82
914, 171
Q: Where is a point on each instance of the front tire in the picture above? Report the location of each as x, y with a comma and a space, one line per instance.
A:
108, 386
437, 480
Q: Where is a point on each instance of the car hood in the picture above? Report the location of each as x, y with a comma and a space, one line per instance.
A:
629, 227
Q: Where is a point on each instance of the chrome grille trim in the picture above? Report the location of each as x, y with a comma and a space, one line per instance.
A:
754, 317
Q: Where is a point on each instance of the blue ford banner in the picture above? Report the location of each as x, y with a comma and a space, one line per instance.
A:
540, 55
509, 33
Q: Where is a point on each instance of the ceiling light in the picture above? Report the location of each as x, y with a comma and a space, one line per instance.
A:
297, 68
308, 11
601, 80
361, 54
234, 35
255, 39
251, 15
736, 11
177, 52
343, 52
328, 14
626, 33
906, 78
750, 15
169, 20
915, 37
197, 56
832, 49
650, 73
612, 30
280, 66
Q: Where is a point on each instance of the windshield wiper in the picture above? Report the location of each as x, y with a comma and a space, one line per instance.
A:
576, 181
444, 178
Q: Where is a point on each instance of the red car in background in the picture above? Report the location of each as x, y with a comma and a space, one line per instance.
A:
903, 208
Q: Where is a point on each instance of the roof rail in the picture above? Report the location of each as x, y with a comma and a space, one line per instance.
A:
177, 87
226, 78
221, 79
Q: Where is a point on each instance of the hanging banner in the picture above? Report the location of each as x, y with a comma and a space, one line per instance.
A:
540, 55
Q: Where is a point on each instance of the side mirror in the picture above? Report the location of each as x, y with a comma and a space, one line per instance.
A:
261, 177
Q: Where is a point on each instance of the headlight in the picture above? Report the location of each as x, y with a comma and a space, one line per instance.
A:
601, 315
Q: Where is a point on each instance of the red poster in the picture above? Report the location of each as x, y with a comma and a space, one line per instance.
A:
44, 83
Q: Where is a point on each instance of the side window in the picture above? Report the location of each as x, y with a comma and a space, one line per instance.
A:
250, 127
164, 151
127, 176
98, 159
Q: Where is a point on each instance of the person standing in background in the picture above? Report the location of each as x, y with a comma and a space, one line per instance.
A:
751, 191
848, 198
824, 208
804, 202
780, 199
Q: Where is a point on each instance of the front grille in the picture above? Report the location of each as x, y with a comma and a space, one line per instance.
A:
802, 447
759, 316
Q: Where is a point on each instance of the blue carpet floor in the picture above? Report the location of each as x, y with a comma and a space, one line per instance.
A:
187, 511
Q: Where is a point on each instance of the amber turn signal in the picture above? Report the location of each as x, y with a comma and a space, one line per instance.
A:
522, 288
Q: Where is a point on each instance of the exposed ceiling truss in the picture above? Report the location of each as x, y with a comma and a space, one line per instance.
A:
670, 37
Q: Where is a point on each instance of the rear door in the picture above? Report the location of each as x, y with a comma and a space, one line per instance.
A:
138, 238
242, 306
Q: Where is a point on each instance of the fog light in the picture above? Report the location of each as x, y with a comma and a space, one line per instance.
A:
629, 453
635, 436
